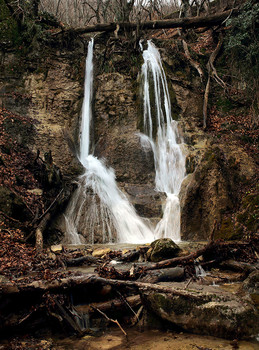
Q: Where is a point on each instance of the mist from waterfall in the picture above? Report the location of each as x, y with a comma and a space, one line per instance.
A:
98, 203
161, 133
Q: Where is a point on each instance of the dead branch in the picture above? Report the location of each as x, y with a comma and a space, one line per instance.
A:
193, 63
51, 205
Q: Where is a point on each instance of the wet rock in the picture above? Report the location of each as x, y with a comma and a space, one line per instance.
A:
147, 202
116, 128
205, 310
162, 249
251, 284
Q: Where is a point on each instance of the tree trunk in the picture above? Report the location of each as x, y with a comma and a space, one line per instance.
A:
191, 22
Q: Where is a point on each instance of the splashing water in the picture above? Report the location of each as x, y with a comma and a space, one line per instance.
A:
166, 145
108, 210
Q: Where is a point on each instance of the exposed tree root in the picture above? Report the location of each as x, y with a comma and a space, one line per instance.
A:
212, 73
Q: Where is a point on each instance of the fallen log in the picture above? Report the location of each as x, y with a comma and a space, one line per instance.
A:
239, 266
89, 259
67, 284
164, 275
187, 22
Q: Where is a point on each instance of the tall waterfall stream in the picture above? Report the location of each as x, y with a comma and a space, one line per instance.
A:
105, 205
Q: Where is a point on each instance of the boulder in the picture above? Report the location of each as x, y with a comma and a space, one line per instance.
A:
213, 190
162, 249
205, 310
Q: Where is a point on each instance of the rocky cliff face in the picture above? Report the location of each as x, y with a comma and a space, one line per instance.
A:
50, 89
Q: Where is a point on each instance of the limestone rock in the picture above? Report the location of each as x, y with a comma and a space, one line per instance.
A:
36, 191
162, 249
100, 252
56, 248
205, 310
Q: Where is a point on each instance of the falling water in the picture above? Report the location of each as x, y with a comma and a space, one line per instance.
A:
166, 145
107, 207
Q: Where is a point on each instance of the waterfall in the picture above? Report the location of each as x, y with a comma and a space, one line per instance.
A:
108, 209
167, 144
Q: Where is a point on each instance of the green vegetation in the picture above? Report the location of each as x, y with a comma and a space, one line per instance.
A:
9, 34
242, 46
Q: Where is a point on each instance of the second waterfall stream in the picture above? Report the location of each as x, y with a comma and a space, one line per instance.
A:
98, 208
161, 134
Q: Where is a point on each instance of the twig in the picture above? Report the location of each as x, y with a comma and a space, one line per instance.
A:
9, 217
135, 320
125, 301
187, 284
111, 320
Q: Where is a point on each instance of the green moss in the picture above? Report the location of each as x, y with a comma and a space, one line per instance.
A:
249, 214
160, 301
228, 231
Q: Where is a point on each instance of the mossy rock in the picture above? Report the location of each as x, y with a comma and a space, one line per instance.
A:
163, 248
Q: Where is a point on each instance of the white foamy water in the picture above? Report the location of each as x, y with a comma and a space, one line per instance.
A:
98, 206
167, 145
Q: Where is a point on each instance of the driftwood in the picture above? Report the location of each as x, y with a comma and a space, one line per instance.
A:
89, 259
39, 232
188, 22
